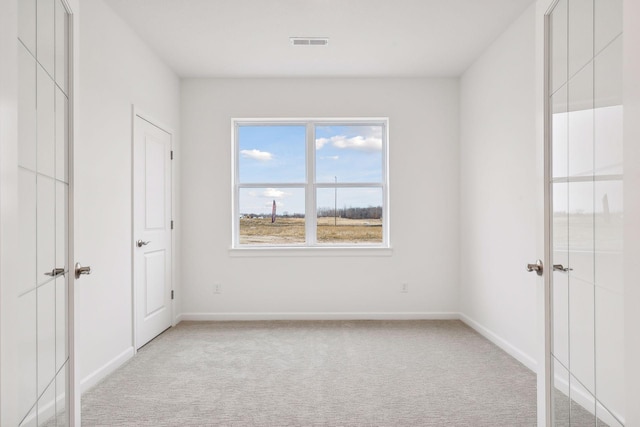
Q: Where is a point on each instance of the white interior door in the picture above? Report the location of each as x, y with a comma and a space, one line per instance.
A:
151, 230
585, 209
42, 299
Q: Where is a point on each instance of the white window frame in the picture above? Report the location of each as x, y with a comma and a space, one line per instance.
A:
309, 184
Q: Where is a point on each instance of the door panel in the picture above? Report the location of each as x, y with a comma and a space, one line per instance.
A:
46, 321
27, 227
155, 164
155, 280
580, 104
561, 402
27, 23
42, 297
61, 414
46, 120
558, 37
561, 317
581, 332
27, 127
580, 34
61, 136
583, 404
585, 182
45, 34
152, 227
26, 351
61, 47
608, 23
46, 405
61, 322
46, 228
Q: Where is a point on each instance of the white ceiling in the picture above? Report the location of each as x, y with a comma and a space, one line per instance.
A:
368, 38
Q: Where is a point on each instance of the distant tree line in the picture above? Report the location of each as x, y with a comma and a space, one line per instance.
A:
260, 216
371, 212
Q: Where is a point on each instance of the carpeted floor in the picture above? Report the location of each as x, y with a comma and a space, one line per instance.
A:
316, 373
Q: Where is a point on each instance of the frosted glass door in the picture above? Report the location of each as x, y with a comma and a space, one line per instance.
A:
43, 141
585, 184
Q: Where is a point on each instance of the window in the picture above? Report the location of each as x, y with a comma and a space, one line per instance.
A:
310, 183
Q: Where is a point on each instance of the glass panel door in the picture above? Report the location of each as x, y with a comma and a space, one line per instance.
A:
43, 179
585, 181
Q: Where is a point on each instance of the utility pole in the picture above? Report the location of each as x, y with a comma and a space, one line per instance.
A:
335, 203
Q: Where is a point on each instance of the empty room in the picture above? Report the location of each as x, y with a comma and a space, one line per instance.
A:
319, 213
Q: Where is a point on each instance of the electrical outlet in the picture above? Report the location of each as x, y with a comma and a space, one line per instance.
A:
217, 288
404, 288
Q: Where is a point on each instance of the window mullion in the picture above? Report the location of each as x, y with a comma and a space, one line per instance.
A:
385, 184
350, 185
310, 193
235, 220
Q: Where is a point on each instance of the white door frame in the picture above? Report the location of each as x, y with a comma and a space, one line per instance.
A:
137, 112
548, 216
75, 418
544, 406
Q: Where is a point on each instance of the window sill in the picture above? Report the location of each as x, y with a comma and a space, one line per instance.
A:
311, 252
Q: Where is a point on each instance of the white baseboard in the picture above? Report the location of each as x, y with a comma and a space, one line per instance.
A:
99, 374
177, 319
320, 316
509, 348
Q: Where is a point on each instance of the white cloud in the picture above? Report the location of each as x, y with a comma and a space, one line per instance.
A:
329, 158
272, 193
358, 143
263, 156
375, 132
368, 143
321, 142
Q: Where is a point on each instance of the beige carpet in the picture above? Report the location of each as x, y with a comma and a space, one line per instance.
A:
328, 373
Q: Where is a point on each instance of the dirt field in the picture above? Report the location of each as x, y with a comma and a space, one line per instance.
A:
291, 231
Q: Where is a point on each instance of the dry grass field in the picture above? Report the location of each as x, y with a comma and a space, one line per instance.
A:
292, 231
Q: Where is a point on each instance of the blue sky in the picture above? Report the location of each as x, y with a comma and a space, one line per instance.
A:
276, 154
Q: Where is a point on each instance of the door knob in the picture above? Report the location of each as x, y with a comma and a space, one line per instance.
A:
55, 272
560, 267
80, 270
142, 243
537, 267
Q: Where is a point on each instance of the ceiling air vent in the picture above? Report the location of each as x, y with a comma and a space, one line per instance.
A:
309, 41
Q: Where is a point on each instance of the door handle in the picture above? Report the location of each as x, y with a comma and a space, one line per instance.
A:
80, 270
55, 272
537, 267
141, 243
560, 267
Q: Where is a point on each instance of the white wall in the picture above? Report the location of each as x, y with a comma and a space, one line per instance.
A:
424, 174
632, 208
498, 190
116, 70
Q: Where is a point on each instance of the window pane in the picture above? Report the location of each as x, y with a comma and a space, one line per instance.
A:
271, 154
349, 215
261, 223
349, 153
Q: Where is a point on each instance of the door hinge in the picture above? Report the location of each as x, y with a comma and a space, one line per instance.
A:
171, 293
171, 154
172, 224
